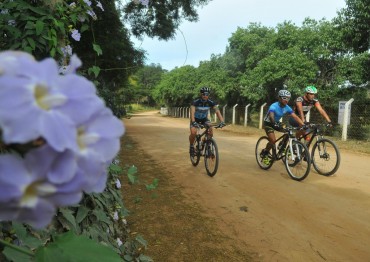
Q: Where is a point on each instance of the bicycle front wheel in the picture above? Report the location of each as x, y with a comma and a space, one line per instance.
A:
325, 157
195, 157
265, 161
211, 157
297, 161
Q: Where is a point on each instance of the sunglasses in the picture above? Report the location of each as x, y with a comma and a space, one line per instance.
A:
205, 94
285, 98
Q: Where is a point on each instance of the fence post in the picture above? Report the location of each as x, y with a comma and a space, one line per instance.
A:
261, 115
246, 114
223, 112
234, 113
345, 119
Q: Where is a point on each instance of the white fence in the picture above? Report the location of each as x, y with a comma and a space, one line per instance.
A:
242, 115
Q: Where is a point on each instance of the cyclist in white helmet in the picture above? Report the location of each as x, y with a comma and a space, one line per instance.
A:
303, 104
273, 116
199, 114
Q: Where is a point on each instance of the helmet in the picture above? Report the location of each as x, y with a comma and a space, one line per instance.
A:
205, 90
310, 89
284, 93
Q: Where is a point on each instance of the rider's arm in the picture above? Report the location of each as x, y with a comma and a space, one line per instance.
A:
218, 113
192, 113
322, 111
272, 117
299, 107
296, 118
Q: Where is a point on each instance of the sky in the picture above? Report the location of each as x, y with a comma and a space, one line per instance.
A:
195, 42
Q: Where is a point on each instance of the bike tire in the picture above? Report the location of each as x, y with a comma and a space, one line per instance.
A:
297, 165
196, 157
211, 157
325, 157
267, 161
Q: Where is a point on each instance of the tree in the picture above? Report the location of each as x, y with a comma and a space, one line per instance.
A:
177, 87
354, 23
145, 79
160, 18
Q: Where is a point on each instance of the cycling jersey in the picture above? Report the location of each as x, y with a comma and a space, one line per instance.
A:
202, 107
278, 112
306, 105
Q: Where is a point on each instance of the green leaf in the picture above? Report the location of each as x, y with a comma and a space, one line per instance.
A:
77, 249
95, 70
82, 212
132, 178
84, 28
97, 49
153, 185
67, 213
115, 169
14, 255
132, 170
39, 27
31, 42
141, 240
101, 216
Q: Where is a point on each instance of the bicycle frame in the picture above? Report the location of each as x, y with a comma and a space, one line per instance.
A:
286, 140
291, 151
206, 146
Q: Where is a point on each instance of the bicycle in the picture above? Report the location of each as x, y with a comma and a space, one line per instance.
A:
291, 151
205, 145
325, 156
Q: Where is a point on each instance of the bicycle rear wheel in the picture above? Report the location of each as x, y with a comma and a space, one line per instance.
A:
264, 161
325, 157
194, 158
297, 162
211, 157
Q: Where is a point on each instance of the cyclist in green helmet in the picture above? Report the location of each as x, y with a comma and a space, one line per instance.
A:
303, 104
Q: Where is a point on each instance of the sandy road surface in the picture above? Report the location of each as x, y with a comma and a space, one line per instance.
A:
319, 219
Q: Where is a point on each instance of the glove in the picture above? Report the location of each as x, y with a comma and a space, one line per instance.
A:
277, 125
195, 124
304, 127
221, 125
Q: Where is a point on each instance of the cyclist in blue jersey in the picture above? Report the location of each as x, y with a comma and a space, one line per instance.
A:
272, 119
199, 114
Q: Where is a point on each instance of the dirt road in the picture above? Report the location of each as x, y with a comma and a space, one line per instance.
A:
318, 219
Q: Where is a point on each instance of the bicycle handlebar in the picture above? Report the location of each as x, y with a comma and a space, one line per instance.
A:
208, 126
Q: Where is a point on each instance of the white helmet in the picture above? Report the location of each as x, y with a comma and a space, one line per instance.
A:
284, 93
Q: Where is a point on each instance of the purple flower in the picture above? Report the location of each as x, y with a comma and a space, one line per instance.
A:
87, 2
100, 5
144, 2
36, 107
32, 188
81, 135
10, 61
66, 50
76, 35
92, 14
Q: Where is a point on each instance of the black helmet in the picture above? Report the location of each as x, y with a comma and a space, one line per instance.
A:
205, 89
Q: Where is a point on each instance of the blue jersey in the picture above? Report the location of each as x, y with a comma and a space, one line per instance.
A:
202, 107
278, 111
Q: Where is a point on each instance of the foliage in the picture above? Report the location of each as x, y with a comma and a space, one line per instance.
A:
354, 23
260, 60
160, 18
143, 82
90, 230
173, 90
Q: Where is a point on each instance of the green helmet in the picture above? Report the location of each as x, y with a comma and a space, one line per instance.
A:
311, 90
